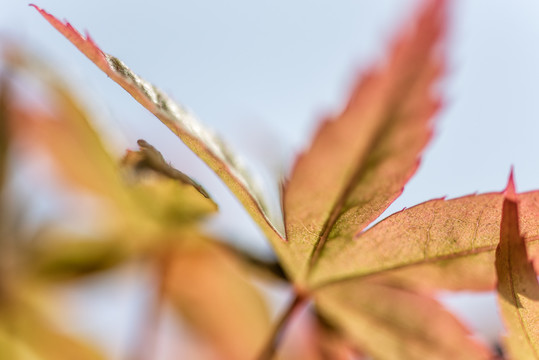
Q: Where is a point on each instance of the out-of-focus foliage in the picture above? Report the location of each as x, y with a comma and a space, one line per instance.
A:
148, 213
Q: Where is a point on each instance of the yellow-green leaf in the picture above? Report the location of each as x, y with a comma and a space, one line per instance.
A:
26, 335
4, 130
73, 257
163, 192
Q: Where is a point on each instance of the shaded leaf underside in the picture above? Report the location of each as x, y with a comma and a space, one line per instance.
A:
360, 160
518, 289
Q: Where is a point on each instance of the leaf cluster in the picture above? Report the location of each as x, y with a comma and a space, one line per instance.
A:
359, 288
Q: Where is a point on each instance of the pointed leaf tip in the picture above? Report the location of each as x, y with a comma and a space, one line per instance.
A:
84, 43
510, 192
518, 289
361, 159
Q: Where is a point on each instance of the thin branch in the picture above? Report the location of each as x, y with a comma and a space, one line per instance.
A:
278, 331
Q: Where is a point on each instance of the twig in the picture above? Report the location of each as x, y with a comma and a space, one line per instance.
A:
278, 331
269, 267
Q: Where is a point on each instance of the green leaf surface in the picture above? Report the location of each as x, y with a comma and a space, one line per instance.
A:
518, 289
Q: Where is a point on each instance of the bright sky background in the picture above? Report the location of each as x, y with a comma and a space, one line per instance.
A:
263, 73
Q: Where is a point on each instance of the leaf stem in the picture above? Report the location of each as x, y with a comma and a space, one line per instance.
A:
277, 334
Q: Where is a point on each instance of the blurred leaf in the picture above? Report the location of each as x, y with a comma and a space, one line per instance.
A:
210, 289
149, 158
359, 161
518, 289
64, 131
393, 323
163, 192
201, 141
73, 257
4, 131
171, 202
143, 206
25, 335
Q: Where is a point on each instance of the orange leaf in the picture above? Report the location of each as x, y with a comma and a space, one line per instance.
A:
209, 287
360, 160
518, 289
63, 130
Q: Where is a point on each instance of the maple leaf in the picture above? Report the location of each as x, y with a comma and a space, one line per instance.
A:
373, 285
518, 289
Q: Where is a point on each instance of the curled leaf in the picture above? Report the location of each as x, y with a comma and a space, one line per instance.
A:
163, 192
149, 158
73, 258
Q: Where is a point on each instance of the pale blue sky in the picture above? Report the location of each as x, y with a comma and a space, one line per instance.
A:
263, 73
